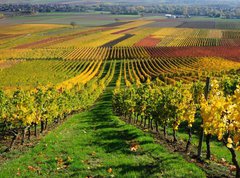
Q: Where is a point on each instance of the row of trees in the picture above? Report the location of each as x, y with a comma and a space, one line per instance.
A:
26, 8
215, 106
22, 110
134, 9
26, 109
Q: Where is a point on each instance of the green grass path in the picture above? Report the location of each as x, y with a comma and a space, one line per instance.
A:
92, 142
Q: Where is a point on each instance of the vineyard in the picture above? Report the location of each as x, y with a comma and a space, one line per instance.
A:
160, 92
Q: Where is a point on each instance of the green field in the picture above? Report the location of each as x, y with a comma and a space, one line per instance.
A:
82, 19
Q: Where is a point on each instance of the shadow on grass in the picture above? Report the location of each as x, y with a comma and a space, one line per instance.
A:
110, 134
115, 137
126, 170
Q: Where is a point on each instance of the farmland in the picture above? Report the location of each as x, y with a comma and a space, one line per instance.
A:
126, 97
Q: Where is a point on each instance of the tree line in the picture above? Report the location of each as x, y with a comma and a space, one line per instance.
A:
194, 10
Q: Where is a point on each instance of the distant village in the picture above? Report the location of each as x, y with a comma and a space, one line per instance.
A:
171, 16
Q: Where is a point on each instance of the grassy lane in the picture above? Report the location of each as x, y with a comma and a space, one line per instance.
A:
96, 143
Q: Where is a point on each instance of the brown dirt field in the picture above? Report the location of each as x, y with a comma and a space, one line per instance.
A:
220, 51
148, 42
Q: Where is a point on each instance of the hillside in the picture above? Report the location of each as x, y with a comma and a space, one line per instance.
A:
202, 2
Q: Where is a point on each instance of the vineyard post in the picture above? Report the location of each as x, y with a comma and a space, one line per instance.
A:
46, 124
23, 135
156, 125
190, 138
42, 126
206, 92
208, 137
35, 129
29, 133
15, 135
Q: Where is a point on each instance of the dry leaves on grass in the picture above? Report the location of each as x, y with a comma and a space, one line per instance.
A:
109, 170
61, 164
33, 169
18, 172
134, 147
232, 168
224, 162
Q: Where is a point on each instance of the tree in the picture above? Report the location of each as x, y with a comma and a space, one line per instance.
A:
73, 24
185, 10
117, 20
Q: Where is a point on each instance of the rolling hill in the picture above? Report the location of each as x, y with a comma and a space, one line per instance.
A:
227, 2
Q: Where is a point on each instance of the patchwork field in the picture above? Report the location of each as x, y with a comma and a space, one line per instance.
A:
167, 80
